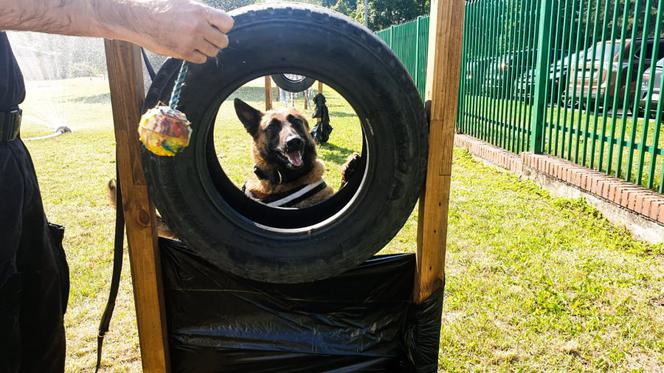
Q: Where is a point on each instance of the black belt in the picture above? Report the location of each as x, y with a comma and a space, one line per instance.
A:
10, 125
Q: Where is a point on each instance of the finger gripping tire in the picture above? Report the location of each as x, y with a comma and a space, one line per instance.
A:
246, 238
284, 82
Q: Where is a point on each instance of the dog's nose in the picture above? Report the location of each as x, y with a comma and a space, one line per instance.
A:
294, 143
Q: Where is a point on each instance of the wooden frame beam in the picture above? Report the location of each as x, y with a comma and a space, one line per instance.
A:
442, 87
125, 76
268, 92
127, 92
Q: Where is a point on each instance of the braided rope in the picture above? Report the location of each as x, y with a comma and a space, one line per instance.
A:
177, 88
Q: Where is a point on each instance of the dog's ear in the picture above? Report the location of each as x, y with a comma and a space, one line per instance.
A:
250, 117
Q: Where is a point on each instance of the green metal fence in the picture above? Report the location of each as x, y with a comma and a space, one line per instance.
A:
599, 107
410, 42
500, 40
577, 79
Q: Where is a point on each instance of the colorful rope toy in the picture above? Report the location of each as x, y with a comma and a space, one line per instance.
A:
164, 130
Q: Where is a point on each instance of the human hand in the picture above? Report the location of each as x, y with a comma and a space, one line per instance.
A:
184, 29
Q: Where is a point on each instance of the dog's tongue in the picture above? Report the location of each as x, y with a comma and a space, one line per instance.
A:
295, 158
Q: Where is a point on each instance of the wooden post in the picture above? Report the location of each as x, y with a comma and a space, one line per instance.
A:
268, 92
125, 75
541, 76
320, 87
442, 87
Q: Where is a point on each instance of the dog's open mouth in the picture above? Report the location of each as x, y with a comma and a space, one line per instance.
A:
294, 158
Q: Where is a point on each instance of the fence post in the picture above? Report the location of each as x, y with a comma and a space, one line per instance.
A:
541, 77
416, 73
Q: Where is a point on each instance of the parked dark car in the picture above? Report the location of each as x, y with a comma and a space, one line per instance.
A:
656, 89
524, 86
475, 72
611, 63
504, 70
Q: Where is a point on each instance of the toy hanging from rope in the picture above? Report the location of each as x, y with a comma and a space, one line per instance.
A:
164, 130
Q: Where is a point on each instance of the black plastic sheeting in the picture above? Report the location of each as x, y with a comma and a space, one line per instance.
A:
363, 320
422, 335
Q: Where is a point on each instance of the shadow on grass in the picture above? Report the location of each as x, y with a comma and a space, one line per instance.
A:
340, 114
102, 98
334, 153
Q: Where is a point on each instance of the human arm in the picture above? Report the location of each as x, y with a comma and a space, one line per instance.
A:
183, 29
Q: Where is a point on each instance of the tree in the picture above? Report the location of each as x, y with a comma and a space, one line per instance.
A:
228, 5
382, 13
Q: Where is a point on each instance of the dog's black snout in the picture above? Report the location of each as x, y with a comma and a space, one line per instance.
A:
294, 143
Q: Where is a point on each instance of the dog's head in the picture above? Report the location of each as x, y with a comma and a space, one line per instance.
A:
281, 138
319, 99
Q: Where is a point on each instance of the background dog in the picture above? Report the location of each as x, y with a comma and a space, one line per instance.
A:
162, 229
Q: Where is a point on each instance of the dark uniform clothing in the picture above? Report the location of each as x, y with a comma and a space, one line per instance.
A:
34, 279
12, 89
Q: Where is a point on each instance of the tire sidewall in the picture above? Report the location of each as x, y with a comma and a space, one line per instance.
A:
269, 40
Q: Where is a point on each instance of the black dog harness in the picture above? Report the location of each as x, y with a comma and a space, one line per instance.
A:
280, 177
286, 199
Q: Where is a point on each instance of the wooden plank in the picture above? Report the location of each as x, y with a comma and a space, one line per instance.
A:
320, 87
125, 75
268, 92
442, 86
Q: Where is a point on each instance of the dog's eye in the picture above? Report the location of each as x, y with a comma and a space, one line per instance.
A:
274, 124
293, 120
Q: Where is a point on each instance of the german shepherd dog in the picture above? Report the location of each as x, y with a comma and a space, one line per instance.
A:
287, 172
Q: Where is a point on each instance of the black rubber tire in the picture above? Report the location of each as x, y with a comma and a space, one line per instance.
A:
295, 86
213, 217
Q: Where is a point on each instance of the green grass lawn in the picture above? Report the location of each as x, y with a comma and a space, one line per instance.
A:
533, 282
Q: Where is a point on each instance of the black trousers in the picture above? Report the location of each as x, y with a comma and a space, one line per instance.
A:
34, 278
